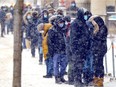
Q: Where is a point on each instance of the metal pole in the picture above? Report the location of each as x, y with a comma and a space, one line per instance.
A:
113, 60
106, 64
115, 5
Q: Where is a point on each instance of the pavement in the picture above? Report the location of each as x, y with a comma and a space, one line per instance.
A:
32, 72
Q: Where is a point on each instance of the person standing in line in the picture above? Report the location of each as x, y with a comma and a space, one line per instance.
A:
78, 44
32, 32
99, 49
57, 49
2, 20
88, 64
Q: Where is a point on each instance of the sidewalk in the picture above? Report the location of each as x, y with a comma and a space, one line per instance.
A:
32, 72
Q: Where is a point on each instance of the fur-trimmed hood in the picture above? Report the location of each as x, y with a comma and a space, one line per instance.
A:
25, 16
96, 26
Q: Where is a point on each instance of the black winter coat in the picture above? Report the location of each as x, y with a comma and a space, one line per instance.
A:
100, 41
79, 36
56, 42
99, 46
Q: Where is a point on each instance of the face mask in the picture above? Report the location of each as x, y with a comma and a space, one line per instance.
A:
11, 8
4, 9
50, 14
45, 16
73, 5
66, 23
86, 17
28, 17
89, 24
41, 31
61, 25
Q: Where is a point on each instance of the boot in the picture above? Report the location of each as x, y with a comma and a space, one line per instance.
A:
95, 80
91, 83
41, 58
99, 82
78, 84
47, 76
62, 79
58, 80
71, 83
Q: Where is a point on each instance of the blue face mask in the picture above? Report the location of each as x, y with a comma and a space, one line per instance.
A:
61, 25
11, 8
73, 5
45, 16
86, 17
29, 17
89, 24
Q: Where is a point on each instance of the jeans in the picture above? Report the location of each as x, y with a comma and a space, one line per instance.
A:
2, 28
8, 24
49, 66
60, 64
70, 72
23, 43
40, 54
88, 70
33, 46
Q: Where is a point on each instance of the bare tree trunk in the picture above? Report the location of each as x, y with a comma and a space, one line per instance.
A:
17, 44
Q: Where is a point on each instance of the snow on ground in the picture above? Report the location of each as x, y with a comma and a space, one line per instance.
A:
32, 72
109, 56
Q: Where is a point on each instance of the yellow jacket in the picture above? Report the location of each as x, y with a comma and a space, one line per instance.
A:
46, 27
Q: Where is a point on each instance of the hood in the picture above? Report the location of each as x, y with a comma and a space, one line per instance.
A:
44, 27
96, 26
99, 21
47, 26
35, 14
40, 26
44, 12
58, 20
80, 14
52, 19
25, 17
88, 14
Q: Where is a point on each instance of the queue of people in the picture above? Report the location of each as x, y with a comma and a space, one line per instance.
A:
79, 45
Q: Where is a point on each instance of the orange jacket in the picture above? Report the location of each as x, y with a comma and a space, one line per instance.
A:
46, 27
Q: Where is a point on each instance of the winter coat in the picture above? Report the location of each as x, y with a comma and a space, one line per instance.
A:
47, 26
25, 17
2, 16
99, 46
32, 31
45, 20
56, 42
31, 28
79, 37
68, 49
25, 28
